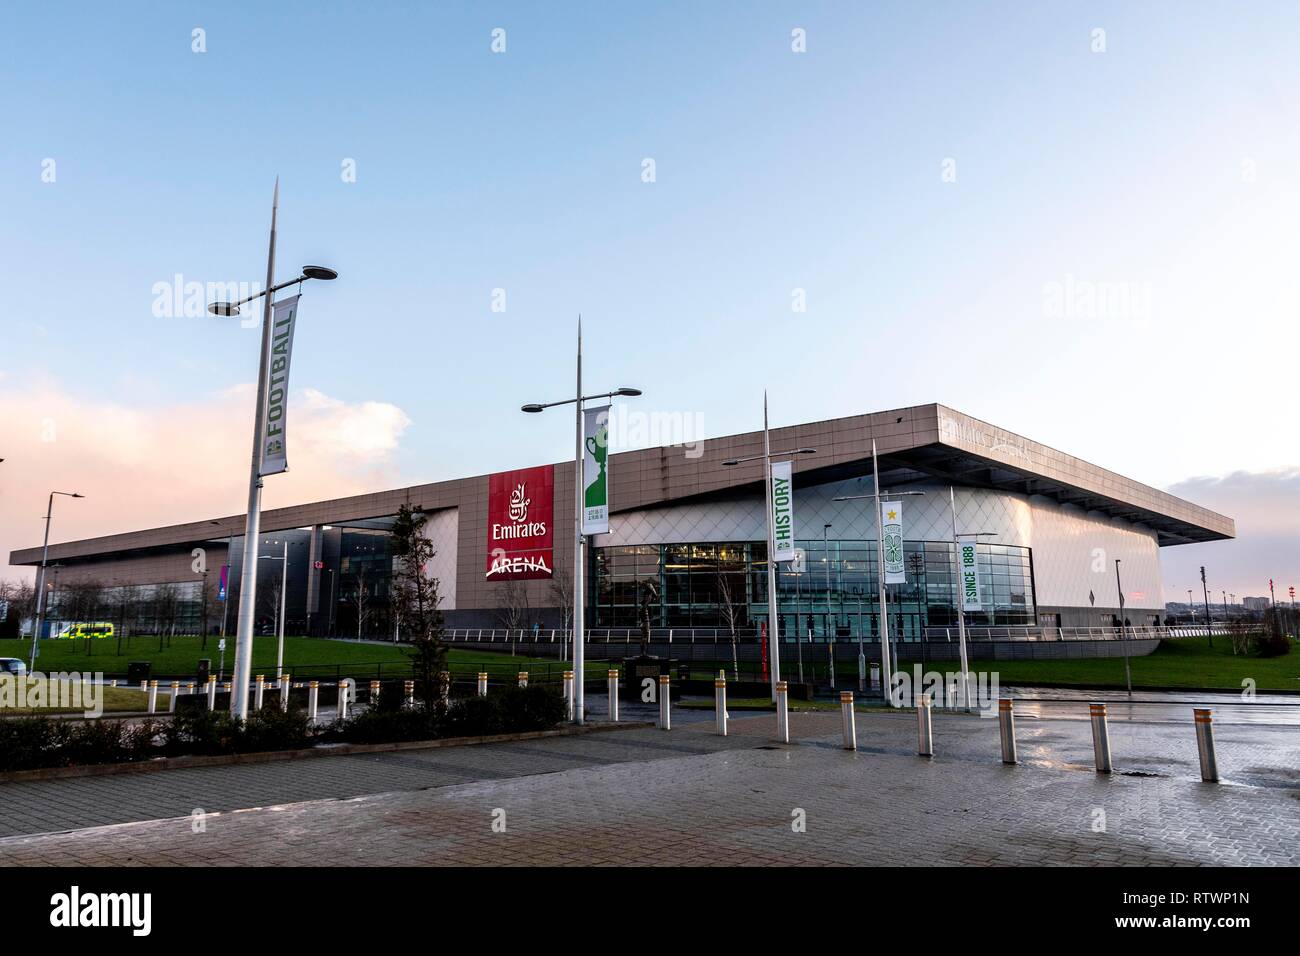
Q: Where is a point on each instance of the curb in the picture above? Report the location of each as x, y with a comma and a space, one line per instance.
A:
326, 750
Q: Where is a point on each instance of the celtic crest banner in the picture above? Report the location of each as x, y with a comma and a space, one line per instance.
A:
891, 521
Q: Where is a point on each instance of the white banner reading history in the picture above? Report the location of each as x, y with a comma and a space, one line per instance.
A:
284, 316
968, 565
595, 470
891, 523
783, 511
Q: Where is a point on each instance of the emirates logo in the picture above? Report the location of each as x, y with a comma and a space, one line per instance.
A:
519, 504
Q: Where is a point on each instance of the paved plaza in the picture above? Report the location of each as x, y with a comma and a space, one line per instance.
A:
688, 797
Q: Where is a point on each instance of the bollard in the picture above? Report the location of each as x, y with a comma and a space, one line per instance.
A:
444, 687
212, 693
259, 691
285, 684
342, 705
875, 676
114, 684
408, 692
720, 702
523, 678
782, 712
189, 688
1205, 744
568, 695
313, 695
482, 683
924, 727
850, 721
1100, 737
153, 696
1007, 728
171, 701
665, 716
373, 699
613, 694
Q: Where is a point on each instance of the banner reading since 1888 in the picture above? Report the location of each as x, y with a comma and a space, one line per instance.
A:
970, 573
520, 510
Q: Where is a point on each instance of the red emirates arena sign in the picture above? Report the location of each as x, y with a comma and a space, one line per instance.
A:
520, 507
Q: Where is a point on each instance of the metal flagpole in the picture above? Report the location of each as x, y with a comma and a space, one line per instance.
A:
579, 652
252, 527
773, 605
886, 669
959, 602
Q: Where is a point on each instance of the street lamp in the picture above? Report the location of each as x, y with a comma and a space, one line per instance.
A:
284, 591
1128, 677
45, 554
959, 596
886, 667
773, 615
252, 526
579, 539
826, 556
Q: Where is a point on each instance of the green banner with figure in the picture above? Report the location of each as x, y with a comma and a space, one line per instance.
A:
595, 470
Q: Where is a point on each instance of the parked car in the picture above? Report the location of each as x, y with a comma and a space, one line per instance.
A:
12, 665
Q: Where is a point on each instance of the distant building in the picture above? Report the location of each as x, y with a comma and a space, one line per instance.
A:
1255, 603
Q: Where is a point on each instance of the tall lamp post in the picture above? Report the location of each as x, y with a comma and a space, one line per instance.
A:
886, 666
773, 612
959, 599
252, 526
284, 591
230, 568
45, 555
579, 539
1128, 676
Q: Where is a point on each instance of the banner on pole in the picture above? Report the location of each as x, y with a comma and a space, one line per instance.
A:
595, 470
891, 524
284, 317
968, 564
221, 588
783, 511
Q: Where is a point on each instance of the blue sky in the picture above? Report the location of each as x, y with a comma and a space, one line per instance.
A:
1164, 167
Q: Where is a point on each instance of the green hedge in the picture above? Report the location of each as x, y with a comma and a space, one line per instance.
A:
28, 743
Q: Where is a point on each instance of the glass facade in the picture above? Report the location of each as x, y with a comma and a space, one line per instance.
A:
721, 585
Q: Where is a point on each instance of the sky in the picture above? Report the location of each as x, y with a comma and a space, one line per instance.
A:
1075, 221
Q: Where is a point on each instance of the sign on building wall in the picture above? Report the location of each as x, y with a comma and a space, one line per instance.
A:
783, 511
520, 515
595, 470
891, 523
275, 409
968, 566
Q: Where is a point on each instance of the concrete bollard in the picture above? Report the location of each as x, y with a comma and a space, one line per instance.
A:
1205, 744
153, 696
259, 691
342, 705
568, 695
171, 701
189, 688
924, 727
720, 702
1007, 729
1100, 737
482, 683
408, 694
313, 697
114, 683
875, 676
444, 687
782, 712
665, 703
373, 699
212, 693
286, 682
849, 720
613, 694
523, 678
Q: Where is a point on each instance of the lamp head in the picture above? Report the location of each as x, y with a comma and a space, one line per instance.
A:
627, 391
319, 272
223, 308
532, 408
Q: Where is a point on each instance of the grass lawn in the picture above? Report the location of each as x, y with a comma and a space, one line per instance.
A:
303, 657
115, 699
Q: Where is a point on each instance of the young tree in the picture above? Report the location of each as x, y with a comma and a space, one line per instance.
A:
561, 591
415, 601
730, 614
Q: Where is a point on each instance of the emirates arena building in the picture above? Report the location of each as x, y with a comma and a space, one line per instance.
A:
686, 549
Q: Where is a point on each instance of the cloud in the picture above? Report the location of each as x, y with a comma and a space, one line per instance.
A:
147, 467
1266, 507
